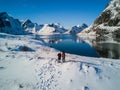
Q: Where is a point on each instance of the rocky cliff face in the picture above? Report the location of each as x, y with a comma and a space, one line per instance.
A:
10, 25
108, 23
31, 27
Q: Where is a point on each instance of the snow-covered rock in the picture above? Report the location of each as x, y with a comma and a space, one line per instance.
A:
77, 29
52, 28
10, 25
28, 25
31, 27
108, 23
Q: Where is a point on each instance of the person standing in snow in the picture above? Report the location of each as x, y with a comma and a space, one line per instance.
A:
63, 56
59, 57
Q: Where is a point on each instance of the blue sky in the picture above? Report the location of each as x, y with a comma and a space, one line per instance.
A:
66, 12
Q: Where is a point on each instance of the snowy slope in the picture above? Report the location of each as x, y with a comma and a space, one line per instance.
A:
52, 28
10, 25
108, 23
38, 69
77, 29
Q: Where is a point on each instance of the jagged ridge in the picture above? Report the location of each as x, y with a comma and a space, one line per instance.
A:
108, 23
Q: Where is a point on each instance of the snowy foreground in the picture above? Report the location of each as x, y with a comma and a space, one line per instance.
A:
38, 69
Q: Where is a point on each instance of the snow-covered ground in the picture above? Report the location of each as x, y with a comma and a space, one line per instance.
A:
36, 68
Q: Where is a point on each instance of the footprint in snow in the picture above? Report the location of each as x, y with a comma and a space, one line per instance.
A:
31, 59
1, 68
60, 73
21, 86
86, 88
98, 71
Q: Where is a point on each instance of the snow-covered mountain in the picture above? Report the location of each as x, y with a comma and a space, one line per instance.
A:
77, 29
10, 25
52, 28
29, 26
108, 23
13, 26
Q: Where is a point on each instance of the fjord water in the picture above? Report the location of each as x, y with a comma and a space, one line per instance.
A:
69, 44
79, 46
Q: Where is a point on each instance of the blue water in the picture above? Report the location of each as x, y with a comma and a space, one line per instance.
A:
69, 44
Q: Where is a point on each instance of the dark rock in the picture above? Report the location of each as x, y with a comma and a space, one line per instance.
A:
104, 17
1, 23
7, 23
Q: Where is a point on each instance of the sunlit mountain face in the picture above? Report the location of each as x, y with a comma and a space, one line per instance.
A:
108, 23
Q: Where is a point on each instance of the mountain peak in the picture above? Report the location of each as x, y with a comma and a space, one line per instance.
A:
10, 25
27, 21
57, 24
108, 23
52, 28
81, 25
3, 13
78, 28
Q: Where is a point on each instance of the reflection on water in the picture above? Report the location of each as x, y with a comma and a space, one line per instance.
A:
105, 46
109, 50
70, 44
82, 46
79, 48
